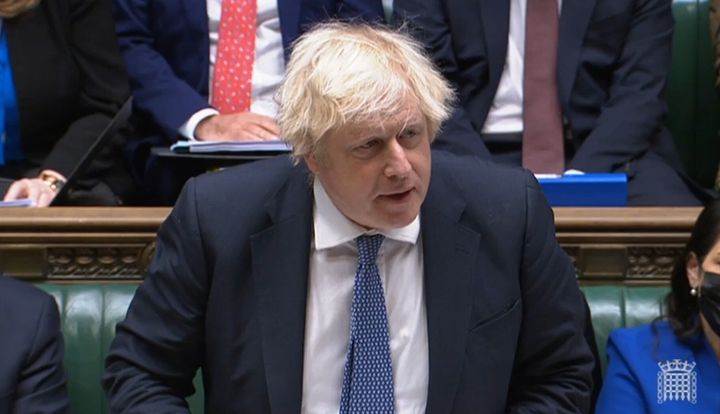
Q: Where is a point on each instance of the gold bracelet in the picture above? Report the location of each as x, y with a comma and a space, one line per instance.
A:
53, 182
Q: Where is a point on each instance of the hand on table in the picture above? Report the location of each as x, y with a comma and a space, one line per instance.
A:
242, 126
41, 190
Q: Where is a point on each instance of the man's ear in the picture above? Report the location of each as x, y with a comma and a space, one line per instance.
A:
692, 269
312, 162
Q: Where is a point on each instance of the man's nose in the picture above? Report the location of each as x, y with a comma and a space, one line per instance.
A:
398, 165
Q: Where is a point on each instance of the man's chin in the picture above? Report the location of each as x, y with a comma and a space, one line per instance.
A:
398, 220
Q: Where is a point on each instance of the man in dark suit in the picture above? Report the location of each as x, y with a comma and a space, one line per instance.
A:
32, 378
354, 279
171, 50
611, 66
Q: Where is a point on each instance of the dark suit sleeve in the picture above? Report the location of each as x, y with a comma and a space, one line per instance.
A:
104, 84
41, 384
553, 366
157, 91
159, 346
634, 111
426, 20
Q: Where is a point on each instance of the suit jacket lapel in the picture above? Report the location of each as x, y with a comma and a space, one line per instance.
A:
289, 13
496, 24
449, 254
280, 257
574, 20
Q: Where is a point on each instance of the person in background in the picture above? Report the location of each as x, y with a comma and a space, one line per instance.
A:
62, 79
207, 70
370, 275
714, 17
672, 365
560, 86
32, 377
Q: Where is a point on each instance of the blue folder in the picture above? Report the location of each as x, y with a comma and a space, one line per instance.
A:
586, 190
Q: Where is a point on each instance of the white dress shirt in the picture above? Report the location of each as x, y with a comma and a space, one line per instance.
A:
333, 264
505, 114
268, 68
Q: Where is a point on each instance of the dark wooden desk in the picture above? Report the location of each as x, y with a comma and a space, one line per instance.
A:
625, 245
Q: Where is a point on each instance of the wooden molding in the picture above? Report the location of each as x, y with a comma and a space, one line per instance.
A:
620, 245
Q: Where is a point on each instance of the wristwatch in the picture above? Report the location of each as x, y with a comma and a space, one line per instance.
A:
53, 182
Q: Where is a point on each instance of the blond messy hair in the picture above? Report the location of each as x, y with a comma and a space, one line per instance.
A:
342, 74
11, 8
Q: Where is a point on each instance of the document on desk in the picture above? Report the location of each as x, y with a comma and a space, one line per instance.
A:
209, 147
23, 202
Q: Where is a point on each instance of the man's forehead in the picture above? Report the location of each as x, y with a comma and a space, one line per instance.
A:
386, 122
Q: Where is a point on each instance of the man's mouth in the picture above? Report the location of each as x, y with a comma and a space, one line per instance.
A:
399, 196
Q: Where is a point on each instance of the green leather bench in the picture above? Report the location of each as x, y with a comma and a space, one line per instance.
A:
693, 103
89, 313
618, 306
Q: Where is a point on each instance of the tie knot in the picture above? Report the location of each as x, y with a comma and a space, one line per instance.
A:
368, 247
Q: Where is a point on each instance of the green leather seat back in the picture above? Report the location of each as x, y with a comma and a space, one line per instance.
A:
616, 306
88, 314
693, 104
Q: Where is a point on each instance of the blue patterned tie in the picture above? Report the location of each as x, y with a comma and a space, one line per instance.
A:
367, 380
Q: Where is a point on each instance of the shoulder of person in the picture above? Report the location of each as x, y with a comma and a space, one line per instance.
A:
250, 186
472, 167
15, 293
644, 338
480, 180
259, 174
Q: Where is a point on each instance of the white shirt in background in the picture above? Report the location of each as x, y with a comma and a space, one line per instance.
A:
268, 68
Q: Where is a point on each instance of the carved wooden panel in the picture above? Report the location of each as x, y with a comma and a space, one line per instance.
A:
619, 245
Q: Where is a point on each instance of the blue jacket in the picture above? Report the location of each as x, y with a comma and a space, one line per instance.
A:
654, 372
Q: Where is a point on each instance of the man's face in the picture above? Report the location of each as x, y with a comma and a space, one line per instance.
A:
377, 175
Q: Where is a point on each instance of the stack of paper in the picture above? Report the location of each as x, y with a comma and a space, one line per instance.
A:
208, 147
23, 202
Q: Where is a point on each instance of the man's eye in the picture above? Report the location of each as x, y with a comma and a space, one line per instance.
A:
408, 133
368, 145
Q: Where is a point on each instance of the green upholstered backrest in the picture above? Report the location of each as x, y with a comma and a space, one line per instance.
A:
88, 314
90, 311
617, 306
693, 104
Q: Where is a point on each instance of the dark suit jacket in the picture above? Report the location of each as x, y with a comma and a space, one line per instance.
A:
32, 378
69, 80
166, 47
227, 292
613, 63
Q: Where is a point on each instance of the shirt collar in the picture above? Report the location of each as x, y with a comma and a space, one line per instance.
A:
332, 228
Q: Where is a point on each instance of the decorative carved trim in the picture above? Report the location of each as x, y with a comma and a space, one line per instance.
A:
600, 262
616, 245
89, 262
146, 256
652, 262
